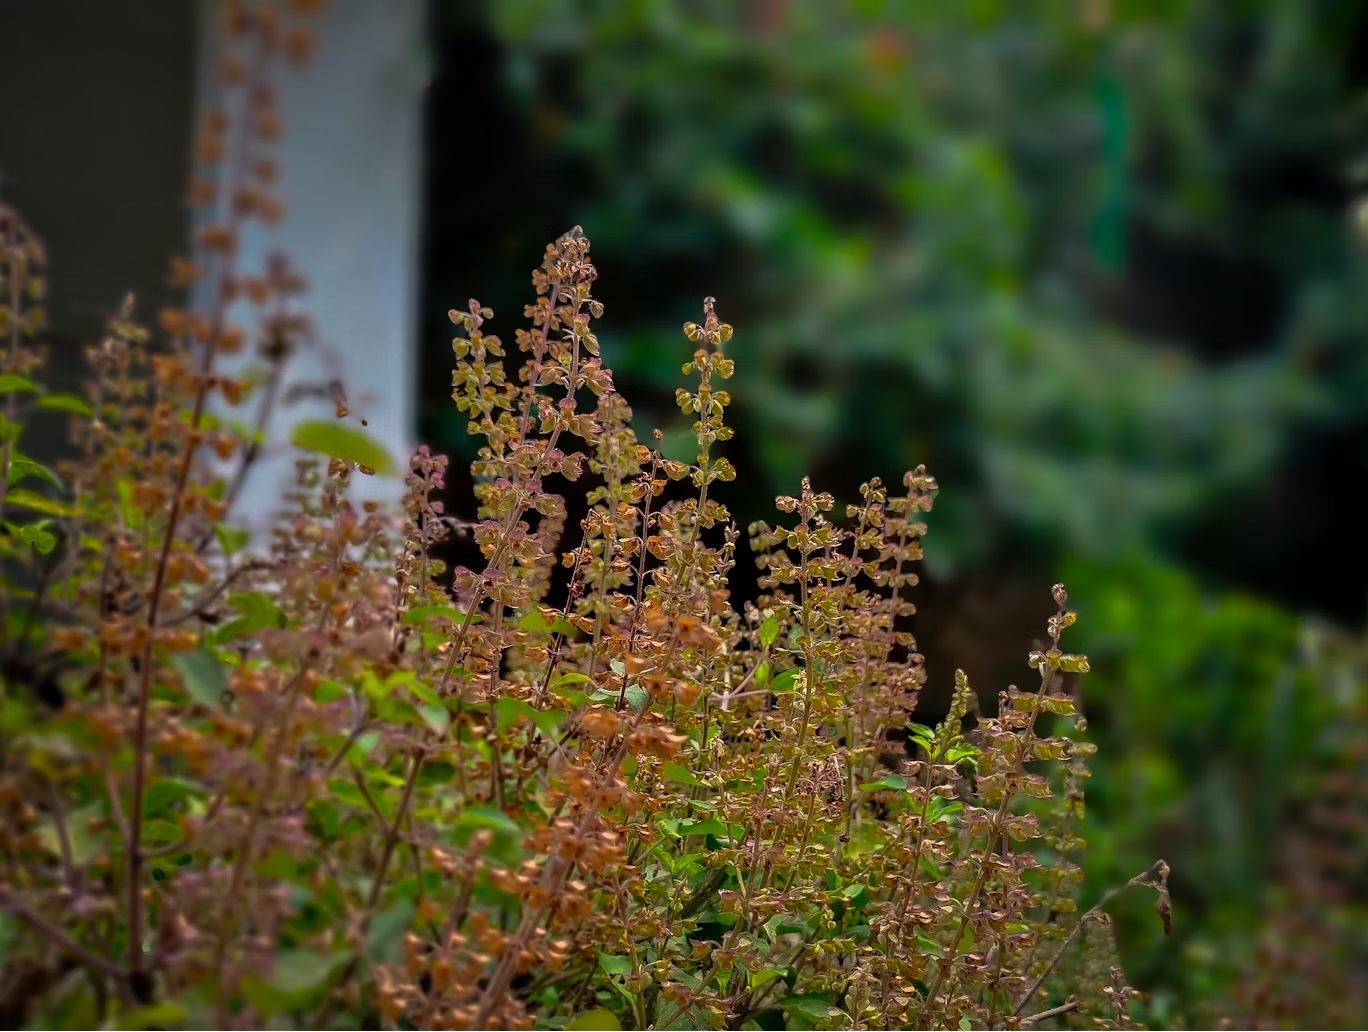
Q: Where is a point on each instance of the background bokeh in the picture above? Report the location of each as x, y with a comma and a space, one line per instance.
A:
1097, 265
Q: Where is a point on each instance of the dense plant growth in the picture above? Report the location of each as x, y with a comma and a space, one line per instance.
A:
321, 779
1092, 263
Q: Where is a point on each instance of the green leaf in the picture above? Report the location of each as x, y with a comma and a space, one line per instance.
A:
784, 682
711, 826
1071, 664
131, 514
160, 1015
637, 697
889, 781
424, 692
537, 623
957, 753
231, 539
599, 1018
615, 965
769, 631
811, 1006
22, 467
258, 609
857, 895
508, 836
387, 929
424, 614
297, 976
347, 792
1061, 705
928, 946
202, 675
162, 796
85, 844
66, 403
678, 773
436, 717
38, 537
330, 691
921, 733
27, 499
10, 384
508, 710
343, 442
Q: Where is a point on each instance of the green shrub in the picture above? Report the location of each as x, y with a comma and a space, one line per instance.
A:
325, 781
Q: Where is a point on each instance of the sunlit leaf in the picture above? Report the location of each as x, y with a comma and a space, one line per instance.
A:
343, 442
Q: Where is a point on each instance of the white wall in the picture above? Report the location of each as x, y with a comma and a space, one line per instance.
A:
351, 159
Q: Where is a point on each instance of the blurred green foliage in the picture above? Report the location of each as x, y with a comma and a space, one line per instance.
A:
1090, 261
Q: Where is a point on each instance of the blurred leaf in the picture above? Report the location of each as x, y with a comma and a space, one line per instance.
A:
508, 836
27, 499
10, 384
615, 965
599, 1018
678, 773
157, 1016
386, 931
202, 676
68, 403
343, 442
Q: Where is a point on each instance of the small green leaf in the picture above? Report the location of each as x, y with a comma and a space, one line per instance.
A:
508, 836
162, 796
1071, 664
85, 844
27, 499
921, 733
928, 946
810, 1006
231, 539
769, 631
38, 537
677, 773
436, 717
889, 781
202, 676
330, 691
599, 1018
637, 697
10, 384
66, 403
615, 965
22, 467
1061, 705
303, 971
784, 682
857, 895
160, 1015
259, 609
563, 685
343, 442
509, 710
347, 792
424, 614
711, 826
387, 929
131, 514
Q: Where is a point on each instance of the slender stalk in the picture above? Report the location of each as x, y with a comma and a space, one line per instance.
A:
218, 317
